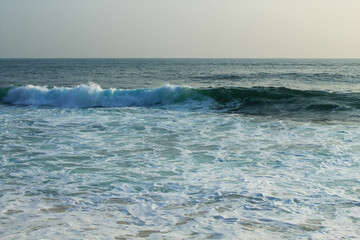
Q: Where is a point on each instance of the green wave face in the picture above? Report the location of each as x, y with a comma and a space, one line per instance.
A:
3, 93
271, 100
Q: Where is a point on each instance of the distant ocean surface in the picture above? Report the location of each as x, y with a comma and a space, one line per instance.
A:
179, 148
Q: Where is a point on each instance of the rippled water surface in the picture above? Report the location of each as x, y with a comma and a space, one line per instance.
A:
166, 162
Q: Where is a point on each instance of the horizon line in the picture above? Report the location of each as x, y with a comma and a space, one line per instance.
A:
329, 58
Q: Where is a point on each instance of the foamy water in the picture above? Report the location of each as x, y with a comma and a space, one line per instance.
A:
175, 162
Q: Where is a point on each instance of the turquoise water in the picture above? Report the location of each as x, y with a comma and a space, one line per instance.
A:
182, 148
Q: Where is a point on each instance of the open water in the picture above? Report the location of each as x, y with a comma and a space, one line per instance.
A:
179, 148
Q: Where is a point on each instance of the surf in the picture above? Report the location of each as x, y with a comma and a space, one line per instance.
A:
92, 95
254, 100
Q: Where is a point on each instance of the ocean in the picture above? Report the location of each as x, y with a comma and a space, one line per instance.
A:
179, 148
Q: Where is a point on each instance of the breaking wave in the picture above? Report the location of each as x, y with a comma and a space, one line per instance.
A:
255, 100
93, 95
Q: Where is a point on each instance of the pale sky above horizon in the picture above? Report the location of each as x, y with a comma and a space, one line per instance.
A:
180, 28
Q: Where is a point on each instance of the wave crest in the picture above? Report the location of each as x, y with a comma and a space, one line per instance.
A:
93, 95
255, 100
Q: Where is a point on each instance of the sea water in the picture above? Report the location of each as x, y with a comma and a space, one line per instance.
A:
179, 149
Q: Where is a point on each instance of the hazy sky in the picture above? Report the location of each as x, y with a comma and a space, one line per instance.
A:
180, 28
